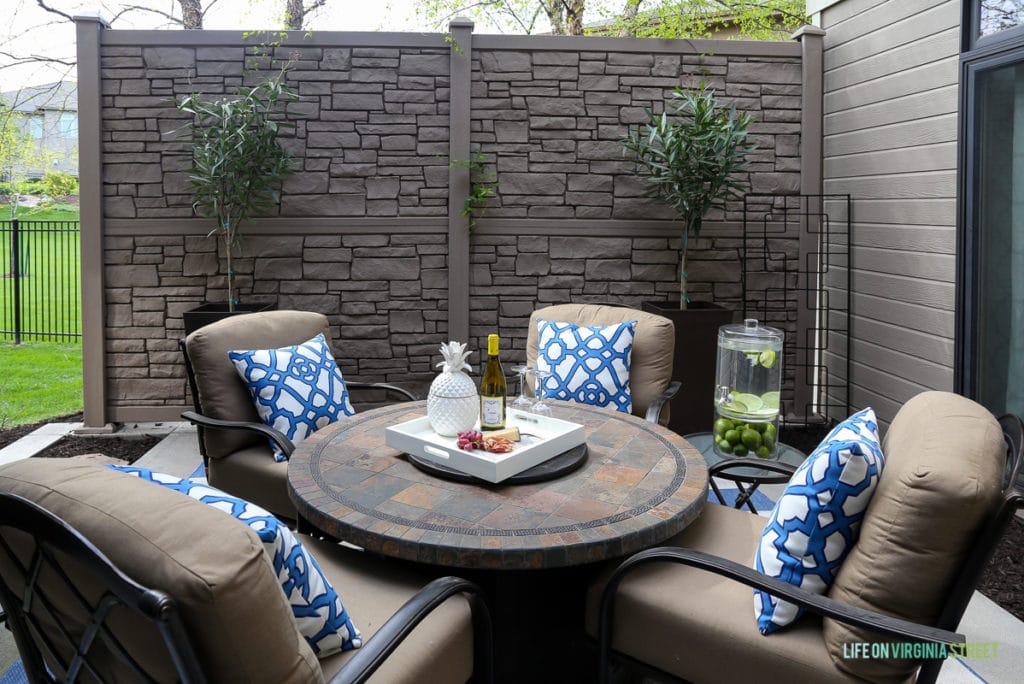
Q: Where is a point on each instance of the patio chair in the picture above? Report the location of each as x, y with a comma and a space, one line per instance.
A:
105, 577
234, 442
650, 370
951, 482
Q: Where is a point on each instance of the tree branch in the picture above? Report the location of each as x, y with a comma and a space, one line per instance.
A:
28, 59
138, 8
51, 10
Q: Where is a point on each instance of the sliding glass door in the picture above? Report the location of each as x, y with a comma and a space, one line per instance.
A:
991, 282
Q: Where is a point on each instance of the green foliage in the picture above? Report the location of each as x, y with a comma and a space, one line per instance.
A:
752, 19
16, 143
690, 158
755, 19
40, 380
58, 184
238, 163
481, 186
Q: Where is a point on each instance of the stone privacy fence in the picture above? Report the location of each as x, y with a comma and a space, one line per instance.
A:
370, 228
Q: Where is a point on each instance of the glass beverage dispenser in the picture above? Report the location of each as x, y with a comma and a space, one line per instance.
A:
748, 377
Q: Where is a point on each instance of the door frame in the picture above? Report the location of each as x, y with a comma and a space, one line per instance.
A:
976, 57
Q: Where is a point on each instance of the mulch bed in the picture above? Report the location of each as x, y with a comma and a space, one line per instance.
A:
122, 447
1002, 582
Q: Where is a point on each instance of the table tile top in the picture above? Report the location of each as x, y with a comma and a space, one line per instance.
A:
641, 484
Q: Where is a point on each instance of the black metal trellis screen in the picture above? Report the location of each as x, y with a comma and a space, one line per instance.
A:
39, 281
795, 259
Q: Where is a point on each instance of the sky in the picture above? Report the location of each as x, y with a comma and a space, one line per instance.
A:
32, 31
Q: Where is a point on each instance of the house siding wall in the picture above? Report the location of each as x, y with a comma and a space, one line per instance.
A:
890, 141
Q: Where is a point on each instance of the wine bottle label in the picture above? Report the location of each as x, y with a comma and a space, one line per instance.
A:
492, 412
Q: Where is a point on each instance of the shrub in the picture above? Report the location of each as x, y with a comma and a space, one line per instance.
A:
31, 186
58, 184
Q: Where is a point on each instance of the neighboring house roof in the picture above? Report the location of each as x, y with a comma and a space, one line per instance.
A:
61, 95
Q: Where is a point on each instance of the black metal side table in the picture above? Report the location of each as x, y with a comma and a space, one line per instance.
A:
747, 473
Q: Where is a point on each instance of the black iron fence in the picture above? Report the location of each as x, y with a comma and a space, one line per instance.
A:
39, 281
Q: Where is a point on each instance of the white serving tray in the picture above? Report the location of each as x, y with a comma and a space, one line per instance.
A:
553, 436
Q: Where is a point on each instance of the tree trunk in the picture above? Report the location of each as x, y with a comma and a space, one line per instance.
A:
629, 12
553, 8
294, 14
684, 298
191, 13
574, 16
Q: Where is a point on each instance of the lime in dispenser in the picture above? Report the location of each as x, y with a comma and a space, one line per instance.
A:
748, 377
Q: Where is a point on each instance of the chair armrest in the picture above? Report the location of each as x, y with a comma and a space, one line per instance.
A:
816, 603
409, 396
278, 438
376, 650
654, 410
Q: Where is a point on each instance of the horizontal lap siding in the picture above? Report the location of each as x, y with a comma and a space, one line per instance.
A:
890, 134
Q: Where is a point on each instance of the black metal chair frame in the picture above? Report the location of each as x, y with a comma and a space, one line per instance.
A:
949, 617
39, 650
654, 410
203, 422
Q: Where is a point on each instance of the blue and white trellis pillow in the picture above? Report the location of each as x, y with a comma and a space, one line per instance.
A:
815, 522
297, 390
588, 364
317, 608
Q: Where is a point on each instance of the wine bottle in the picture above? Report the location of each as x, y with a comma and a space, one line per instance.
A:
492, 390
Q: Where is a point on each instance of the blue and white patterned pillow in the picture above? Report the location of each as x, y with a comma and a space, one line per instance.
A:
589, 364
815, 522
317, 608
297, 390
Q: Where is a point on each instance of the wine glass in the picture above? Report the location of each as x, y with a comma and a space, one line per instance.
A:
539, 378
522, 402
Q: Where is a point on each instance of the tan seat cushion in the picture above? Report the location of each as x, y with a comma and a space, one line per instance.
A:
253, 474
222, 394
215, 568
439, 650
944, 465
653, 345
700, 626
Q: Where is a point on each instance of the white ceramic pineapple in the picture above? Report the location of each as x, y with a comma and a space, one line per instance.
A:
453, 405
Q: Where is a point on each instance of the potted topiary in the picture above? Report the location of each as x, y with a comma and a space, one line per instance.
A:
238, 165
690, 157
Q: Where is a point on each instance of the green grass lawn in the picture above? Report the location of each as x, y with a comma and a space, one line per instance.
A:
49, 286
50, 212
39, 381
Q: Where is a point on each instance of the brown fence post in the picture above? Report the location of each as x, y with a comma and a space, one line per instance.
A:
805, 398
90, 173
460, 74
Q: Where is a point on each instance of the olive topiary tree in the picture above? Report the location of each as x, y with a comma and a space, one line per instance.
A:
691, 156
238, 163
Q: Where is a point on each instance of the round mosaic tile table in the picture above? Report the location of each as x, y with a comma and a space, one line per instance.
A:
641, 485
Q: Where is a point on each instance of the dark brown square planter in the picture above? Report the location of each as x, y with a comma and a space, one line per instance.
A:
211, 312
693, 363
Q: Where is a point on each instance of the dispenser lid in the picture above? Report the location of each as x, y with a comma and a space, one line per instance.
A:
749, 336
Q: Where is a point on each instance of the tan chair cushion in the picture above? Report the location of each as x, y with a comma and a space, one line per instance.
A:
215, 568
222, 394
944, 464
700, 626
439, 650
653, 345
253, 474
